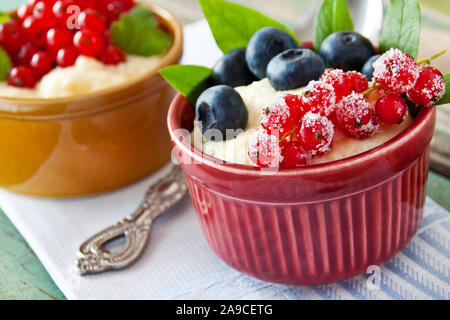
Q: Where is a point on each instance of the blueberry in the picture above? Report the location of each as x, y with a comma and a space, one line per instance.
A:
264, 45
346, 50
294, 68
367, 69
221, 108
232, 70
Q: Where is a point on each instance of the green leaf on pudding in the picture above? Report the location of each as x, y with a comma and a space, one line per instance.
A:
233, 25
4, 16
5, 65
446, 98
333, 16
401, 28
189, 80
137, 33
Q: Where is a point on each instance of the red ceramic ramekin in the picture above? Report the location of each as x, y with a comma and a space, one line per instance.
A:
312, 225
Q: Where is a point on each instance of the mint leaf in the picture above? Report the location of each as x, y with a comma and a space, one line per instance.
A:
5, 65
333, 16
189, 80
4, 16
233, 25
136, 33
446, 98
402, 27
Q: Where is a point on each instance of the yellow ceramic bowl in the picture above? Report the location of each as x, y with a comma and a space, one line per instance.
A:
93, 142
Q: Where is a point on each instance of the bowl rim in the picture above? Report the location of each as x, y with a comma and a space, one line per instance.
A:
421, 121
170, 55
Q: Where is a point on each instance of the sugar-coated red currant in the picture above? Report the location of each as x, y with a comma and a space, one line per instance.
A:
25, 54
264, 149
358, 81
316, 133
11, 36
396, 71
391, 109
88, 43
66, 57
58, 38
42, 63
319, 97
293, 155
355, 116
429, 88
22, 77
111, 55
340, 82
92, 20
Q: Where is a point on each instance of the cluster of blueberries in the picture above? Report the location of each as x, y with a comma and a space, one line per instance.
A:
275, 54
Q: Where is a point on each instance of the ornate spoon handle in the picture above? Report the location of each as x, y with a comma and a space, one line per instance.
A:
95, 258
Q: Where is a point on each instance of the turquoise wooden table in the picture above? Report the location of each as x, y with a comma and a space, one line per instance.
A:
22, 276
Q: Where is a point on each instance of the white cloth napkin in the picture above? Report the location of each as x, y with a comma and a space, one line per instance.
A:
178, 264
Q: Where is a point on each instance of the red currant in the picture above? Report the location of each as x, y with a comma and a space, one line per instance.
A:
24, 11
264, 149
11, 36
429, 88
42, 63
60, 11
111, 55
66, 57
92, 20
43, 11
316, 133
293, 155
396, 71
88, 43
355, 116
22, 77
34, 31
114, 8
319, 97
58, 38
340, 82
391, 109
25, 54
358, 81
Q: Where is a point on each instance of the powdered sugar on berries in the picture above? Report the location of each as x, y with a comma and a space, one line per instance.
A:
313, 123
320, 97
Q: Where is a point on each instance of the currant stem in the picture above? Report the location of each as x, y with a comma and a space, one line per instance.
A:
428, 60
371, 89
288, 134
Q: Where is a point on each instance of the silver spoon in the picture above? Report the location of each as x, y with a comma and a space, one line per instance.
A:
120, 245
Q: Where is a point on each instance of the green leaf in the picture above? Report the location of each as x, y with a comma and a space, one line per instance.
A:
189, 80
5, 65
333, 16
233, 25
4, 16
136, 33
446, 98
402, 27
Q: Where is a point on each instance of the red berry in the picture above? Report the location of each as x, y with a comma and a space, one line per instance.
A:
111, 55
358, 81
22, 77
293, 155
58, 38
92, 20
34, 31
25, 54
11, 36
396, 71
88, 43
429, 88
340, 82
316, 133
319, 97
264, 149
42, 63
43, 12
60, 11
66, 57
24, 11
114, 8
391, 109
355, 116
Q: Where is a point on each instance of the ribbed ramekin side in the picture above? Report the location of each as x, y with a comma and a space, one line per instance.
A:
314, 243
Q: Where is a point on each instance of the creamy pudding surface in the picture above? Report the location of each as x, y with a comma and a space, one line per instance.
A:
260, 94
87, 75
